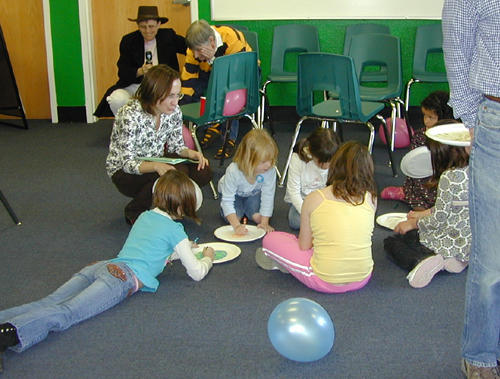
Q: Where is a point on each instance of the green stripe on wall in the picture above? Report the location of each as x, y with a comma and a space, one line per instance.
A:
67, 53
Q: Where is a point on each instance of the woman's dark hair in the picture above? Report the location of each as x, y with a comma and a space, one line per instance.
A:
175, 194
351, 173
437, 102
321, 144
156, 86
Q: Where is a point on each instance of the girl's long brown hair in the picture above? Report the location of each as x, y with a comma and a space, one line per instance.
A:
175, 194
351, 173
445, 157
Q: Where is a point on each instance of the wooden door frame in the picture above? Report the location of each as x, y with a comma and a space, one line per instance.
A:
50, 61
88, 56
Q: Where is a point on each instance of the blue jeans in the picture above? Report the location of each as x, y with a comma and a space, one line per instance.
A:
88, 293
234, 129
481, 333
245, 206
293, 218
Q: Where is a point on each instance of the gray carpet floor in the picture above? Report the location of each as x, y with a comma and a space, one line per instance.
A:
53, 176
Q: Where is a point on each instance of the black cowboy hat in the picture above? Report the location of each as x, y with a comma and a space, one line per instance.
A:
148, 13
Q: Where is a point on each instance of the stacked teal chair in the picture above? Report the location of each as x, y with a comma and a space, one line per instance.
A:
380, 73
287, 39
253, 40
380, 50
429, 40
320, 72
232, 93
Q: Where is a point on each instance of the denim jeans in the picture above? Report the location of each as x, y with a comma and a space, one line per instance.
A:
293, 218
481, 333
88, 293
245, 206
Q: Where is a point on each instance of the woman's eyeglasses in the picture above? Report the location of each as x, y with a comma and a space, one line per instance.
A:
175, 96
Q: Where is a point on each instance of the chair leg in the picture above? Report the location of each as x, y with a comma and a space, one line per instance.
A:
393, 126
255, 125
269, 115
224, 143
290, 153
371, 140
193, 128
407, 93
9, 209
391, 160
405, 116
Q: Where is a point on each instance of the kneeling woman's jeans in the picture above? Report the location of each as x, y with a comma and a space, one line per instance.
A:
91, 291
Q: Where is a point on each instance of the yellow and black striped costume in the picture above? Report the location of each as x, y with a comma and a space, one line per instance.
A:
195, 73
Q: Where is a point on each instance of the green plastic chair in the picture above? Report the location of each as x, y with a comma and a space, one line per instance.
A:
319, 72
376, 75
429, 39
291, 38
380, 50
253, 40
231, 74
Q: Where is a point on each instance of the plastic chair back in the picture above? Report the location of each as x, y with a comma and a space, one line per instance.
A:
329, 72
353, 30
232, 77
253, 40
429, 39
378, 50
289, 39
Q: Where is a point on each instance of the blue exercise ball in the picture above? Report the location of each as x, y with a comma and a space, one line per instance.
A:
301, 330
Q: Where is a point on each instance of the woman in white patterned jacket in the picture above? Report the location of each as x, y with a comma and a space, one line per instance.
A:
150, 126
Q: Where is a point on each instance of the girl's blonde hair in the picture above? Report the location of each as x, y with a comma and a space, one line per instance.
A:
175, 194
256, 147
351, 173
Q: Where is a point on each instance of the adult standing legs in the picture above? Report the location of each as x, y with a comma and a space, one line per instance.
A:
481, 333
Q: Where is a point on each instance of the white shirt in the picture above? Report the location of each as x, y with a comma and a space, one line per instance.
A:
303, 178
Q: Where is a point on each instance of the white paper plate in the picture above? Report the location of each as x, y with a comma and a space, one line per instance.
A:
390, 220
226, 233
224, 252
417, 163
450, 134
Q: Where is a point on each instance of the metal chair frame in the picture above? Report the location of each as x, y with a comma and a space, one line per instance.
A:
319, 72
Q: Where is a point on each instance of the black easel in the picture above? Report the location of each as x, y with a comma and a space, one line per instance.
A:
10, 101
9, 209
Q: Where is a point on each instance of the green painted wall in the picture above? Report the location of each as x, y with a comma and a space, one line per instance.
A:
67, 53
331, 34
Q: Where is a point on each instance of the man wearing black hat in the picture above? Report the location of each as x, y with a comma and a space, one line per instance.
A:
139, 51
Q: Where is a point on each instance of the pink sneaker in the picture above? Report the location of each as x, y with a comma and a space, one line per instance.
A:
423, 273
454, 265
393, 193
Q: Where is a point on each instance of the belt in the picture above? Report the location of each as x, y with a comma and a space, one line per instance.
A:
493, 98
